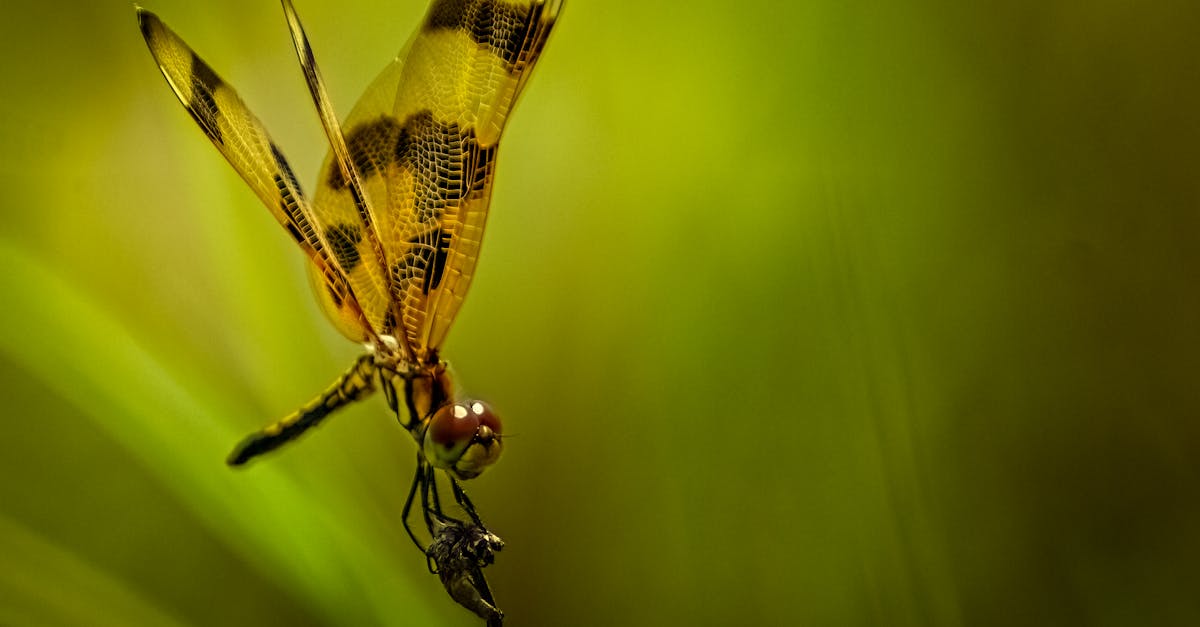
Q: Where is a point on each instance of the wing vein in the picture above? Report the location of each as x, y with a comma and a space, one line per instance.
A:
337, 143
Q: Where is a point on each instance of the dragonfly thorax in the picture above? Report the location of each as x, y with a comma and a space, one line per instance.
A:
462, 437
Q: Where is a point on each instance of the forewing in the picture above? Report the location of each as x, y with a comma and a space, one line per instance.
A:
347, 222
241, 138
424, 137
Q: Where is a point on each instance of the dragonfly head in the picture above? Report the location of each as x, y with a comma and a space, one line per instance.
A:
463, 438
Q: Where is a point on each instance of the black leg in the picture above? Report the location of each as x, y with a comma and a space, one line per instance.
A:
461, 497
418, 483
426, 472
431, 477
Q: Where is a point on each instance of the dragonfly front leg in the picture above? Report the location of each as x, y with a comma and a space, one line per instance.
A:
424, 482
355, 384
460, 496
418, 483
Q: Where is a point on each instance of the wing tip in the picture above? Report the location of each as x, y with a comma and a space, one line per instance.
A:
551, 8
148, 22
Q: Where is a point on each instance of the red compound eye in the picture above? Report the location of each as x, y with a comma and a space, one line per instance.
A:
453, 426
487, 417
463, 438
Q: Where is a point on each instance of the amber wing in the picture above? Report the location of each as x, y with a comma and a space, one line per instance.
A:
423, 140
242, 139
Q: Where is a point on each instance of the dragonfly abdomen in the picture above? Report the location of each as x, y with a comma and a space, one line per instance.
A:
355, 384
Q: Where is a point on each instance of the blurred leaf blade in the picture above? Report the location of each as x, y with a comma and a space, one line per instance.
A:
44, 584
172, 432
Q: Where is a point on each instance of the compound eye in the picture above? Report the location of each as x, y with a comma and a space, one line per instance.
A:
463, 438
487, 418
452, 428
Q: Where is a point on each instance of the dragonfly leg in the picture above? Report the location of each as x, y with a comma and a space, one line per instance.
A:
431, 506
425, 482
428, 486
418, 483
355, 384
460, 496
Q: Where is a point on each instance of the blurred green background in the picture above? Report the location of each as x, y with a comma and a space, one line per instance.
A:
804, 313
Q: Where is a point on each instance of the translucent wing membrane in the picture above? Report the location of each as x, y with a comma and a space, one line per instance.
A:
349, 226
395, 230
241, 138
423, 141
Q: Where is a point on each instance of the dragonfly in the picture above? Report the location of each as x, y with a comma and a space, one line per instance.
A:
392, 236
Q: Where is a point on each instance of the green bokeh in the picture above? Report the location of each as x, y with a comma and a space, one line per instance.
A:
803, 313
